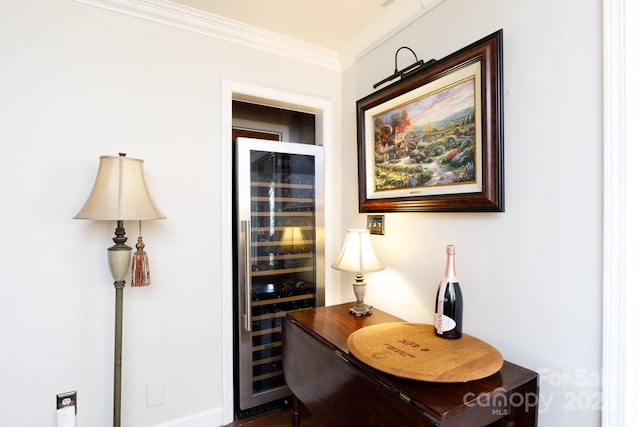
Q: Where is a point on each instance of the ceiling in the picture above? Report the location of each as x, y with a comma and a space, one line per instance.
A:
331, 24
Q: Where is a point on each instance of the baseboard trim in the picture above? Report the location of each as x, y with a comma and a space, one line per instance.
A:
208, 418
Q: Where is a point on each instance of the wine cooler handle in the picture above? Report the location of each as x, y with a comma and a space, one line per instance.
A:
246, 229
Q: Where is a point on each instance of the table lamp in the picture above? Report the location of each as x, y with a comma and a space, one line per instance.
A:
357, 256
120, 194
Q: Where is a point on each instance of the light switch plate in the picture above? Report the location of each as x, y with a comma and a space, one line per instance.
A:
156, 393
375, 224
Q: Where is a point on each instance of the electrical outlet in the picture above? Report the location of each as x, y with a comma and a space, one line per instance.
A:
375, 224
66, 409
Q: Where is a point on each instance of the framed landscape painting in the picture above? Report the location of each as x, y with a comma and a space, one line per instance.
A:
433, 140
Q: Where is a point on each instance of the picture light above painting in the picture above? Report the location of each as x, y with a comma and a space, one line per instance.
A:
433, 141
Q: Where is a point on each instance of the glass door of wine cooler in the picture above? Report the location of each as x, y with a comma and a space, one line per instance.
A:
279, 192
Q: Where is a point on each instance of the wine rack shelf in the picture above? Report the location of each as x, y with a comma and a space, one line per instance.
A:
280, 204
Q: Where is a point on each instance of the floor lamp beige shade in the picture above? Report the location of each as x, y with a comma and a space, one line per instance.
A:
120, 192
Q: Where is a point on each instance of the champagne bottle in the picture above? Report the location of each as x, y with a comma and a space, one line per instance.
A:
448, 316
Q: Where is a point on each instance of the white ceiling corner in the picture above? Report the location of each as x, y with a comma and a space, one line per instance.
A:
400, 14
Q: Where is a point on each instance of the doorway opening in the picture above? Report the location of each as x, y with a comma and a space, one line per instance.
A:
277, 184
321, 112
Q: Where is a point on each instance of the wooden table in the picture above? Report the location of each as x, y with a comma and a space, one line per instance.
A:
340, 390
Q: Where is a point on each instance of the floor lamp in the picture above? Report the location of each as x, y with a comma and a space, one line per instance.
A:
120, 194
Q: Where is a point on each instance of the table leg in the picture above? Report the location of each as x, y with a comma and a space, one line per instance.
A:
295, 412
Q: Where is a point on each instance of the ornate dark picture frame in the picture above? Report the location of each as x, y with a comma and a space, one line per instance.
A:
433, 141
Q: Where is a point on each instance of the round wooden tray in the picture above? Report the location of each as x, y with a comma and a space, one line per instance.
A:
412, 350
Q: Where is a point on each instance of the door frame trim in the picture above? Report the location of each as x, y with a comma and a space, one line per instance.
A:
621, 205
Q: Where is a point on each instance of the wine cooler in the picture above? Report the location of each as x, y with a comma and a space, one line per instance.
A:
279, 257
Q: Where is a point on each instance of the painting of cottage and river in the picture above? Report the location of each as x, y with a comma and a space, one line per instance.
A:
429, 141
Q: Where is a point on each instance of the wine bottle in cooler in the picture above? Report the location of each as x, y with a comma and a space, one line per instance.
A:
448, 316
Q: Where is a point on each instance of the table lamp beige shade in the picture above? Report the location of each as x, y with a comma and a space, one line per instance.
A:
358, 256
292, 239
120, 194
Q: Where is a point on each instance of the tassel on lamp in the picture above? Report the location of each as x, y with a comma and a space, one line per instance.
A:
140, 275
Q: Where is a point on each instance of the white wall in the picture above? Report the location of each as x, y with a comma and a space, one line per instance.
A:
77, 82
531, 276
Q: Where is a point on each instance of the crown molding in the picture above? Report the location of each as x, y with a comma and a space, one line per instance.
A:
190, 19
401, 13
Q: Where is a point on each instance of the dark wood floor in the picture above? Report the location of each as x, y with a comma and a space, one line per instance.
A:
277, 418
